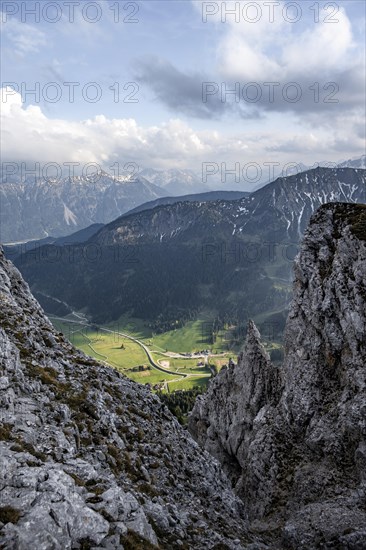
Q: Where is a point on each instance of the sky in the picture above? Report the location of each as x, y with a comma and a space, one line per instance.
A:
182, 84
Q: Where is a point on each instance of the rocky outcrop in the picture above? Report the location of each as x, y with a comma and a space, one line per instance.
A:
222, 421
293, 440
89, 458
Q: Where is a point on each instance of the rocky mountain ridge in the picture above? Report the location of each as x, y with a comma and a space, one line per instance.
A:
284, 206
209, 196
176, 181
38, 207
231, 257
91, 459
293, 439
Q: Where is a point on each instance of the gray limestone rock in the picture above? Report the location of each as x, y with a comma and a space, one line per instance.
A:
91, 459
293, 441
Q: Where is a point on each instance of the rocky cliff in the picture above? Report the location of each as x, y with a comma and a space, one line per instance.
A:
91, 459
293, 440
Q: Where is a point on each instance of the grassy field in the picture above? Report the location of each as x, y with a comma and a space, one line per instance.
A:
194, 336
107, 347
182, 340
189, 383
124, 354
188, 366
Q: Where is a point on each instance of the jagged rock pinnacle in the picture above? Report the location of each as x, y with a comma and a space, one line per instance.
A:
294, 442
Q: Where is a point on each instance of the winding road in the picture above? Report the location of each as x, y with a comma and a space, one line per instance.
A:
83, 321
147, 351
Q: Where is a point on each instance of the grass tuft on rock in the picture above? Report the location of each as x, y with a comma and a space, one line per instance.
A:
8, 514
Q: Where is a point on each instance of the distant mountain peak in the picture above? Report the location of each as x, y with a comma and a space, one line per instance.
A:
40, 207
176, 181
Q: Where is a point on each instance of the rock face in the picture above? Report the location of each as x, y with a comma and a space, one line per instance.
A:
293, 440
222, 421
283, 207
38, 207
91, 459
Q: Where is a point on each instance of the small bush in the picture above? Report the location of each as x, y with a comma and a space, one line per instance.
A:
147, 489
78, 481
5, 432
86, 544
8, 514
133, 541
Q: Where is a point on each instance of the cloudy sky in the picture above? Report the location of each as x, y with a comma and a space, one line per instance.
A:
175, 84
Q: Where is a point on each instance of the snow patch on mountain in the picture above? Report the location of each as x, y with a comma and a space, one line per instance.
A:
69, 216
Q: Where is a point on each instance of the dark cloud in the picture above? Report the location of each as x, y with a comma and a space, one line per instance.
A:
317, 94
182, 93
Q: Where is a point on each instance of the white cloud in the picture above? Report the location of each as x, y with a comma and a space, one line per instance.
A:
28, 135
282, 51
24, 37
323, 48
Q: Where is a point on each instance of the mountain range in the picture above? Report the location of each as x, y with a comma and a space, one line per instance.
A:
232, 258
34, 208
291, 170
39, 208
176, 181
